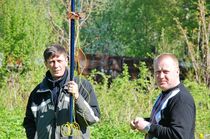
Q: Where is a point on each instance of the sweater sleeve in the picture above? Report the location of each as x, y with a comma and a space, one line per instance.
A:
87, 108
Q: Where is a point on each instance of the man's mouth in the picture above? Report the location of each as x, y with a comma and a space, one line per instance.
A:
163, 82
56, 71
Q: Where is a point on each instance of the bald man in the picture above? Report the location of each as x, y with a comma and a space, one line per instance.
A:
173, 114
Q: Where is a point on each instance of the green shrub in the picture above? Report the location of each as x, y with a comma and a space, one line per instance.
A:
11, 123
201, 96
109, 130
123, 100
119, 102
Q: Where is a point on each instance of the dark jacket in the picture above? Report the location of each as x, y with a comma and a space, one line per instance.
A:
45, 117
176, 118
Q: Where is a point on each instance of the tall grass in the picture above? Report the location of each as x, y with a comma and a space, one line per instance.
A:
125, 99
119, 102
201, 96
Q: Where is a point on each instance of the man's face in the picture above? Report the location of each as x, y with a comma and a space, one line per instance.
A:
57, 65
166, 73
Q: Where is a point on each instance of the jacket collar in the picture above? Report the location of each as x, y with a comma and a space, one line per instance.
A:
44, 85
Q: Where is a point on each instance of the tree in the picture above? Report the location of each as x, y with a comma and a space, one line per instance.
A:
135, 27
24, 32
197, 42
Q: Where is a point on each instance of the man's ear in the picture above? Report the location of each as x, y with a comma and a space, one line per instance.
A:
67, 60
178, 71
45, 63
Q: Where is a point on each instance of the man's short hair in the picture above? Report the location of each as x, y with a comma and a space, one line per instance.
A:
53, 50
167, 55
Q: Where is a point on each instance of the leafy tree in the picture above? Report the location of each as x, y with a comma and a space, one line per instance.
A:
135, 27
197, 43
24, 31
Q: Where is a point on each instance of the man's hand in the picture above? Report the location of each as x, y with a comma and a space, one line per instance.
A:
139, 123
73, 89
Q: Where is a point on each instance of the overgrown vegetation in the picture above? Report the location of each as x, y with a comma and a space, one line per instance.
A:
131, 28
119, 103
197, 41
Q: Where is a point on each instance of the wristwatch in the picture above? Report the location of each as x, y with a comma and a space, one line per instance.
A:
147, 128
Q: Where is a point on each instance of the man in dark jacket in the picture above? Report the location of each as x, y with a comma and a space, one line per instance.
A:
173, 114
48, 108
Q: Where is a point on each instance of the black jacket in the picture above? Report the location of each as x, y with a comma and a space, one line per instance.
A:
45, 117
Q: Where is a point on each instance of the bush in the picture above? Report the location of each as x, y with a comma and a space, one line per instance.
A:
201, 96
11, 121
120, 102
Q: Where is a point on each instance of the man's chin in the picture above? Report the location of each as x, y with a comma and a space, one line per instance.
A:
57, 76
163, 87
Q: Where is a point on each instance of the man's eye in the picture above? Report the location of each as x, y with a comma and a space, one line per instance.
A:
59, 61
165, 72
157, 72
50, 62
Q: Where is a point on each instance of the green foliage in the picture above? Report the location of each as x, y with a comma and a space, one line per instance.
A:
16, 91
132, 28
11, 123
108, 130
137, 27
201, 96
123, 96
120, 102
197, 42
126, 99
24, 31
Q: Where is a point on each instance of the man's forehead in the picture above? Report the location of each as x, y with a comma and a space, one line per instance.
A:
58, 55
166, 64
163, 67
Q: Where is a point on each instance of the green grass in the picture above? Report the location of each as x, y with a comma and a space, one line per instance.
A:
11, 123
119, 103
110, 130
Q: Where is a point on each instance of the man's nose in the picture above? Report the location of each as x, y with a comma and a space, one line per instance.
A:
161, 74
56, 64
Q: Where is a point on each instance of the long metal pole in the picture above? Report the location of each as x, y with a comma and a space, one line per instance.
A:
72, 41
